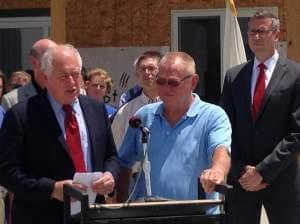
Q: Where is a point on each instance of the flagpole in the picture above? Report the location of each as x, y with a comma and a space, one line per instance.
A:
234, 53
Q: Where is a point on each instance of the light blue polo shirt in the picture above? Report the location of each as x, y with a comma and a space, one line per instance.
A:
178, 154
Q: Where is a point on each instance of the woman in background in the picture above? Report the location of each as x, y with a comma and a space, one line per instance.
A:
98, 85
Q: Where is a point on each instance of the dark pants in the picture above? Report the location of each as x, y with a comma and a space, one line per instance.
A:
243, 207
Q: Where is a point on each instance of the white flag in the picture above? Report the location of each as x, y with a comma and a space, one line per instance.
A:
233, 47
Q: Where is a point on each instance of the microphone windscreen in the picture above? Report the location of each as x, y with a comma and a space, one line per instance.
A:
135, 122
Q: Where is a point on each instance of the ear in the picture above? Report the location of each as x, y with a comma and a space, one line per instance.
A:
277, 35
45, 78
33, 61
195, 80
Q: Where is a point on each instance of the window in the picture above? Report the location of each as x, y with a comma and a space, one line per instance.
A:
17, 34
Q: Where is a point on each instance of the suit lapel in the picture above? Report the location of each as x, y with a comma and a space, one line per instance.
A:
277, 75
52, 122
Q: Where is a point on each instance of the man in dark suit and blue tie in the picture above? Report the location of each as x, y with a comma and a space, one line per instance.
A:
43, 144
262, 99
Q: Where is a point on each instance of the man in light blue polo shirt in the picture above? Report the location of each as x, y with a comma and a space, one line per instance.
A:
189, 137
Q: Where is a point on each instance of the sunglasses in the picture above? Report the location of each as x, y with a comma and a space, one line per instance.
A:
171, 82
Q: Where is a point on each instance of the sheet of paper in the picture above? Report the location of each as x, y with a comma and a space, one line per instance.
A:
86, 179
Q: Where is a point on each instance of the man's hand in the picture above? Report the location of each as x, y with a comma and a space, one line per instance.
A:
57, 192
210, 177
218, 171
105, 185
251, 180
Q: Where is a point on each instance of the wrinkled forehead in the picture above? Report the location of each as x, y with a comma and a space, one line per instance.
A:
260, 22
174, 68
148, 62
98, 78
66, 60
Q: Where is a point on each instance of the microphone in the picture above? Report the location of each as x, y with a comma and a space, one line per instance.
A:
135, 122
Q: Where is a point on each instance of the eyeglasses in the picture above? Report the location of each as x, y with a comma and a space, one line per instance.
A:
171, 82
148, 69
260, 32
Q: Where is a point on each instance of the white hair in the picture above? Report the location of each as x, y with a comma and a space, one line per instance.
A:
47, 58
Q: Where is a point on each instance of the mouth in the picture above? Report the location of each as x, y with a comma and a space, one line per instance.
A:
72, 91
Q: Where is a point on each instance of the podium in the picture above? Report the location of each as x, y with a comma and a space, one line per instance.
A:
160, 212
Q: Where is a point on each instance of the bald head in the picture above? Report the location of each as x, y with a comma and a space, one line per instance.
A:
40, 47
36, 53
173, 59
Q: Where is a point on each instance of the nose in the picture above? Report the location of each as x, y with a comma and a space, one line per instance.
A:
148, 71
256, 35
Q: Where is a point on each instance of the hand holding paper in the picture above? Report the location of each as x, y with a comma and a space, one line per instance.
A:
105, 184
86, 179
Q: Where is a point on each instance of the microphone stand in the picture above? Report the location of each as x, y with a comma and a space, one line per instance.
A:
146, 163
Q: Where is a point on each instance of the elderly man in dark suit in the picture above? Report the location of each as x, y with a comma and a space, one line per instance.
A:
47, 138
262, 99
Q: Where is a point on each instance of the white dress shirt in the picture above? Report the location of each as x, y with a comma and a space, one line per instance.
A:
270, 66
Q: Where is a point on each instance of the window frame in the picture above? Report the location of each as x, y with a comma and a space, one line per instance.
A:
43, 22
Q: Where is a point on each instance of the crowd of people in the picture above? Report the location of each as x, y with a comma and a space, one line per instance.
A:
56, 122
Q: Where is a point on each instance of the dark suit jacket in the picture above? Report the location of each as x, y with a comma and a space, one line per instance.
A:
272, 142
34, 155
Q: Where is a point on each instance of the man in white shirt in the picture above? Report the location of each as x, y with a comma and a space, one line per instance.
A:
146, 69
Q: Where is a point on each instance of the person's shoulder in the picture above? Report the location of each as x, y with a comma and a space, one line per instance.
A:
13, 94
30, 101
236, 69
149, 108
26, 91
211, 109
87, 101
127, 106
22, 107
290, 63
110, 109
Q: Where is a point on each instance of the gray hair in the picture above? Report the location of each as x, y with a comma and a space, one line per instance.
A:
47, 58
261, 14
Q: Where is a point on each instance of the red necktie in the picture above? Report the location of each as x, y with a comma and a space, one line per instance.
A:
73, 139
259, 91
